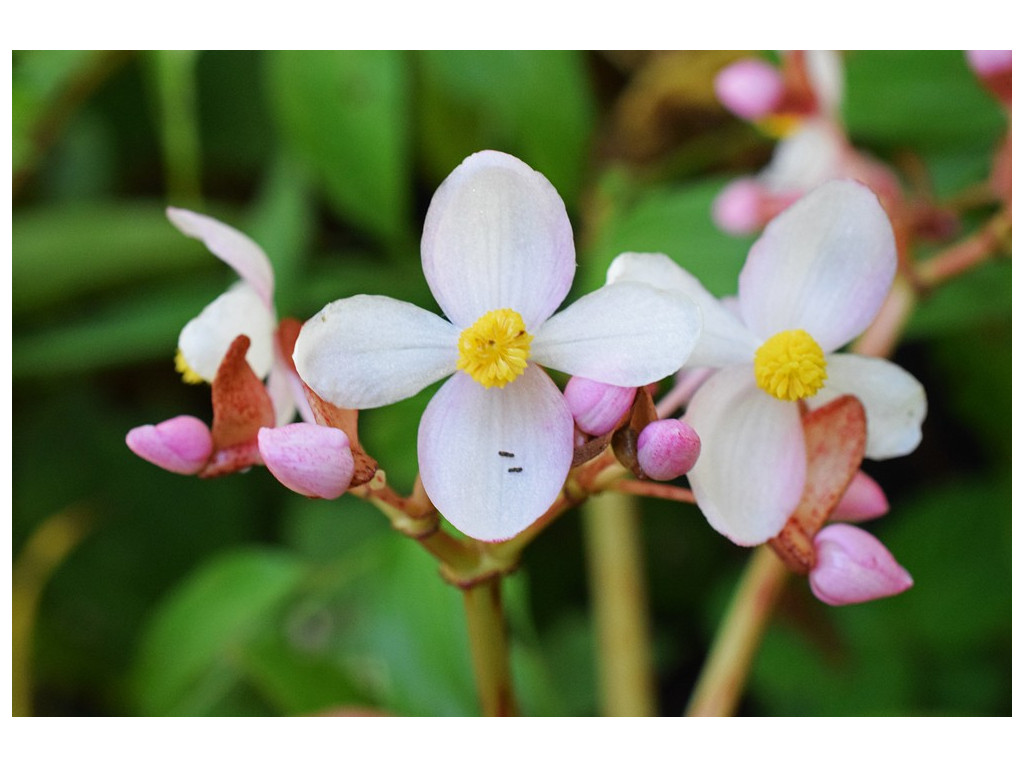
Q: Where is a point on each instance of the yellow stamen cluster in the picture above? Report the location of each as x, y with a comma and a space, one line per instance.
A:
495, 348
790, 365
187, 374
781, 125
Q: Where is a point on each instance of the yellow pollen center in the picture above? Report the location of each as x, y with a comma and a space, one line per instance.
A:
790, 365
495, 348
187, 374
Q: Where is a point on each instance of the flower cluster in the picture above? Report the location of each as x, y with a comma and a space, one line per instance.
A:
498, 439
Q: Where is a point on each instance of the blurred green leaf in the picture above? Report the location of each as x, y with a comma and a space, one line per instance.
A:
193, 651
674, 220
173, 76
974, 299
537, 105
346, 115
69, 251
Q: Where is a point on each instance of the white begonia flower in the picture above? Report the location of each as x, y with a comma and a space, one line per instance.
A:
496, 441
814, 281
246, 308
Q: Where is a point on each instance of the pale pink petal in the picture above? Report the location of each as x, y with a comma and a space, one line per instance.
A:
230, 246
988, 63
893, 400
238, 311
497, 236
667, 448
823, 265
739, 208
750, 474
804, 160
627, 334
828, 80
182, 444
309, 459
285, 390
597, 408
750, 88
864, 500
493, 460
724, 340
854, 567
367, 351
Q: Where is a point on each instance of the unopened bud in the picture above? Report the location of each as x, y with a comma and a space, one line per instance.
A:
989, 63
854, 567
667, 449
750, 88
863, 500
310, 459
739, 207
597, 408
182, 444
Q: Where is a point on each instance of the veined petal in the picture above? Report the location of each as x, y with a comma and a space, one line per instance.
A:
497, 236
724, 340
493, 460
823, 265
368, 351
230, 246
628, 334
750, 474
893, 400
238, 311
310, 459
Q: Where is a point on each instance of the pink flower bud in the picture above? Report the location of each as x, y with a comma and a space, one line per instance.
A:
182, 444
750, 88
667, 449
597, 408
310, 459
989, 63
864, 500
854, 567
739, 207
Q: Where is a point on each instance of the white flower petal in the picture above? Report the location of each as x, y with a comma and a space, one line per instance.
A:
825, 71
285, 393
230, 246
724, 340
497, 236
627, 334
493, 460
752, 465
240, 310
823, 265
802, 161
368, 351
893, 400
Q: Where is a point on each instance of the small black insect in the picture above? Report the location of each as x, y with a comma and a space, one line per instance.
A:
515, 469
507, 454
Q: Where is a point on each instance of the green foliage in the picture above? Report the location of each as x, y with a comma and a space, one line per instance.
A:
235, 596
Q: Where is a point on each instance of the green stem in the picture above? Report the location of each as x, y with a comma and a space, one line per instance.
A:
488, 642
725, 672
618, 592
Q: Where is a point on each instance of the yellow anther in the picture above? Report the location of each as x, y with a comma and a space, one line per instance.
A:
495, 348
187, 374
781, 125
790, 365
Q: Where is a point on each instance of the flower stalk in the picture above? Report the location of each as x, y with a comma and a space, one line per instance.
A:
488, 640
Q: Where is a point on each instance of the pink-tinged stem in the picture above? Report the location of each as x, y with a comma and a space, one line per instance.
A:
488, 642
619, 598
721, 683
968, 253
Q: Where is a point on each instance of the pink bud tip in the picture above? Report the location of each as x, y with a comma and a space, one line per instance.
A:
597, 408
750, 88
854, 567
310, 459
667, 449
864, 500
989, 63
739, 207
182, 444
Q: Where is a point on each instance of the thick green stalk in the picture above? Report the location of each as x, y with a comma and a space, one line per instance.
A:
725, 672
619, 596
488, 640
